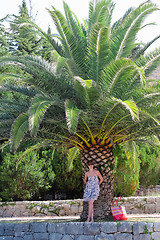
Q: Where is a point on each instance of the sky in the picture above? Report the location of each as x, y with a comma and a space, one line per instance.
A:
80, 8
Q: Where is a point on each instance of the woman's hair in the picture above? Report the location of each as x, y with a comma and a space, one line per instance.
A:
90, 163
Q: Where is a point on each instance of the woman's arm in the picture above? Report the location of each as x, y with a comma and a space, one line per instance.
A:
85, 177
100, 177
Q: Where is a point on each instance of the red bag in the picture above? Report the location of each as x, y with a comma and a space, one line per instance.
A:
118, 211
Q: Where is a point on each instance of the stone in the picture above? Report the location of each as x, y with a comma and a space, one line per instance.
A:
66, 207
39, 214
55, 236
41, 236
51, 227
151, 199
91, 228
19, 234
8, 229
60, 228
122, 236
39, 227
6, 238
142, 237
67, 237
125, 227
158, 207
109, 227
25, 214
9, 226
74, 209
28, 237
137, 210
1, 229
149, 227
80, 209
62, 212
150, 208
155, 235
18, 238
157, 226
104, 236
45, 211
86, 237
1, 211
74, 228
138, 228
24, 227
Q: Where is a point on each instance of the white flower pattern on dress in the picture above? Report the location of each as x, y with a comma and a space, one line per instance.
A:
92, 189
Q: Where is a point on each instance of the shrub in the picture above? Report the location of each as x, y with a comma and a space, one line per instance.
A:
32, 176
150, 165
126, 176
66, 182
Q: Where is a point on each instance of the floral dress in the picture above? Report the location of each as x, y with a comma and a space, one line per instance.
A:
92, 189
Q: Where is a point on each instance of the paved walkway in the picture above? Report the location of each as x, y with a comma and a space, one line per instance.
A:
130, 216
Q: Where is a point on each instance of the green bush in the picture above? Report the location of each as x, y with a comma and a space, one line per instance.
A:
146, 170
126, 176
66, 182
33, 176
150, 165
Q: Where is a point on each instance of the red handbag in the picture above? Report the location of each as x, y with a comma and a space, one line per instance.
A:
118, 211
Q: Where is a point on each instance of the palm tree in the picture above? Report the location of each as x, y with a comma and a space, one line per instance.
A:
91, 96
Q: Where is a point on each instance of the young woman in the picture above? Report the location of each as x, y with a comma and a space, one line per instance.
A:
92, 179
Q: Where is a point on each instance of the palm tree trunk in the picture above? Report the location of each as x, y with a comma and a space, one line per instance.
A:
104, 161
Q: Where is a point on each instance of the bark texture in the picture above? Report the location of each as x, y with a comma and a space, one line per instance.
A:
103, 159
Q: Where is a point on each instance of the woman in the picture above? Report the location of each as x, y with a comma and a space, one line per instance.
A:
92, 179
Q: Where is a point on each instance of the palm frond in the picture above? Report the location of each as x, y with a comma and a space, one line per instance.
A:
44, 78
130, 150
72, 116
38, 107
98, 50
145, 47
100, 13
120, 21
7, 77
123, 38
81, 86
75, 26
118, 75
116, 114
149, 62
19, 128
71, 155
149, 100
63, 30
131, 107
25, 90
13, 106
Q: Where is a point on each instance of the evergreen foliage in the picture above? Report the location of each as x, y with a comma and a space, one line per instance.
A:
150, 167
27, 180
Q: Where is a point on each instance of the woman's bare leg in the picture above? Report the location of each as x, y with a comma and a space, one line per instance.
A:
88, 219
90, 210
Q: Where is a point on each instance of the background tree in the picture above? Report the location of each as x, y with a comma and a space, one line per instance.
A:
26, 40
4, 42
91, 96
